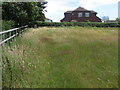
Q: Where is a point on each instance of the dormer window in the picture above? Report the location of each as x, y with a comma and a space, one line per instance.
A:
87, 14
80, 15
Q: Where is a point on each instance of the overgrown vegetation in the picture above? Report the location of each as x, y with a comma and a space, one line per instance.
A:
62, 57
7, 25
22, 13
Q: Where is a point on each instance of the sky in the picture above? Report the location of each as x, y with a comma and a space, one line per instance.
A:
56, 8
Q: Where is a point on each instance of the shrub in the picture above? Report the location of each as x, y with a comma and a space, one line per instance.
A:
82, 24
7, 25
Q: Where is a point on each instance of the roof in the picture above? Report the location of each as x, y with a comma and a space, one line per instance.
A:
111, 21
92, 11
40, 0
47, 19
68, 12
80, 9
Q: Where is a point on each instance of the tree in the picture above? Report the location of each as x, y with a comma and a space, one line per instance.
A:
118, 19
23, 12
42, 6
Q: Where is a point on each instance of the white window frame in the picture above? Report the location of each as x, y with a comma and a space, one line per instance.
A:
80, 14
87, 14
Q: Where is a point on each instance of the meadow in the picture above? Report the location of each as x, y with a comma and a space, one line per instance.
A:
62, 57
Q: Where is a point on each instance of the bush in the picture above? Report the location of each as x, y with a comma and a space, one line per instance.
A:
6, 25
82, 24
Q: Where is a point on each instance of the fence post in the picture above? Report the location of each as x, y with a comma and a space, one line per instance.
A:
10, 34
0, 38
3, 37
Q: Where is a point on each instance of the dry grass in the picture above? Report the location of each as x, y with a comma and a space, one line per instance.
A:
73, 57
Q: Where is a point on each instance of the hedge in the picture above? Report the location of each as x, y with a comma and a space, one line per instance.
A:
6, 25
82, 24
11, 24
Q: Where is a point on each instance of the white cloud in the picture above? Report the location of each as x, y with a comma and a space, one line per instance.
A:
56, 8
95, 3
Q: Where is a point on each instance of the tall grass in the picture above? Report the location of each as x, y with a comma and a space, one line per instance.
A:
62, 57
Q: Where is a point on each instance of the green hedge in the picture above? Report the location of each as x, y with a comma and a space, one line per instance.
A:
6, 25
82, 24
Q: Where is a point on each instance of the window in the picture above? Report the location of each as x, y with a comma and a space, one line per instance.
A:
87, 14
79, 14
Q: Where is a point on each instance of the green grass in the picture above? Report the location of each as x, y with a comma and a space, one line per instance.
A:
63, 57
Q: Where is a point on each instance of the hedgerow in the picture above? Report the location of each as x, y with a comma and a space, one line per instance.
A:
7, 24
82, 24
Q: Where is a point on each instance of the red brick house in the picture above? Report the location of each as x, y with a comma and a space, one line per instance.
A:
81, 15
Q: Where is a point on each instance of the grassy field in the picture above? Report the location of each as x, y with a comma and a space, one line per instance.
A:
63, 57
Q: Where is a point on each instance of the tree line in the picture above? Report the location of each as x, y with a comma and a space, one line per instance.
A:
22, 13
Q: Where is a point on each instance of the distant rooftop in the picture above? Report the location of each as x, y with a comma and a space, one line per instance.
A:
68, 12
47, 19
92, 11
80, 9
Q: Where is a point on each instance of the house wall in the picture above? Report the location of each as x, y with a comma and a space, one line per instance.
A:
74, 16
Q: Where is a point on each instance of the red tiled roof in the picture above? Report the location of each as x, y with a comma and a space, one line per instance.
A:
92, 11
80, 9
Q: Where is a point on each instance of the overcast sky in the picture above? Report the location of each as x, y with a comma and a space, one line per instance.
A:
56, 8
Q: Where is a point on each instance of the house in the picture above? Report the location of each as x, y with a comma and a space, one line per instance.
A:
48, 20
81, 15
111, 21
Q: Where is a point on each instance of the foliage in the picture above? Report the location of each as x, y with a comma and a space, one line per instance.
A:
118, 19
23, 12
83, 24
7, 25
